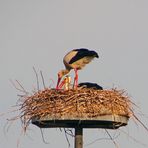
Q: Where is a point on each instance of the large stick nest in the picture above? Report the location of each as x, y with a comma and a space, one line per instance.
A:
75, 103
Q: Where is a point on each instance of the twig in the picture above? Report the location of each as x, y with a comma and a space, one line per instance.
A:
134, 139
67, 130
43, 137
146, 128
19, 139
6, 127
15, 86
98, 139
21, 89
38, 87
67, 138
21, 86
42, 79
8, 112
116, 145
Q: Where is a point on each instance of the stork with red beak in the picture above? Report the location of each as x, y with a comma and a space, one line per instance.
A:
76, 59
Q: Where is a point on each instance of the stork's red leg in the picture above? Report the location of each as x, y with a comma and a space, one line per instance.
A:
76, 78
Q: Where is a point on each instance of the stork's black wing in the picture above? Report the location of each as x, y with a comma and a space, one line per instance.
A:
90, 85
81, 53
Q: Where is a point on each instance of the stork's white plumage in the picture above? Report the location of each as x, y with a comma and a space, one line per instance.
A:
76, 59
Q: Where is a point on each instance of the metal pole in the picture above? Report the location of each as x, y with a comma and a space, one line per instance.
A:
78, 137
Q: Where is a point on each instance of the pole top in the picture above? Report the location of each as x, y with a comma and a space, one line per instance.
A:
104, 121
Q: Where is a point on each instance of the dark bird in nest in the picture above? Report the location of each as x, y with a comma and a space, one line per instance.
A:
90, 85
76, 59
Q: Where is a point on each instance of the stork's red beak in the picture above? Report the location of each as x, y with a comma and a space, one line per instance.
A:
58, 82
61, 85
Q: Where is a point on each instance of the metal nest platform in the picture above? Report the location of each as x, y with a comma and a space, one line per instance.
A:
104, 121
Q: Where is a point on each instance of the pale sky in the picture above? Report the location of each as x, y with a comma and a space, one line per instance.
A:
39, 33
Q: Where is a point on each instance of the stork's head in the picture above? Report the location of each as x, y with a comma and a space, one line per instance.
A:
60, 75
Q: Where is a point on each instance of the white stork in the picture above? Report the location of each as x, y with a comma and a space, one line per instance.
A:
76, 59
